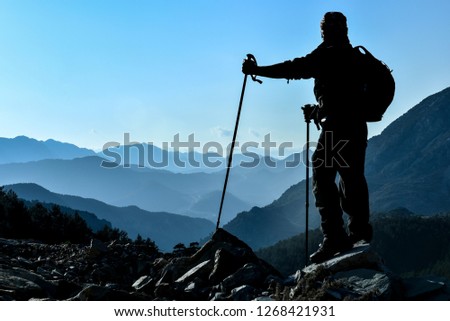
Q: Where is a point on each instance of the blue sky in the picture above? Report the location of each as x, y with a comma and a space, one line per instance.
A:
86, 72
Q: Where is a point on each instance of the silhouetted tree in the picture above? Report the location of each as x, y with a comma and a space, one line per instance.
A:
54, 226
108, 234
179, 249
14, 216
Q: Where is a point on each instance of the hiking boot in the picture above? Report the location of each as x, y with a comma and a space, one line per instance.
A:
363, 235
328, 249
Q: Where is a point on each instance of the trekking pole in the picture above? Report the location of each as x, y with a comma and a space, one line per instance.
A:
308, 121
308, 111
230, 153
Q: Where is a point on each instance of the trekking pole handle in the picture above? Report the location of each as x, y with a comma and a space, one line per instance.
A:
252, 58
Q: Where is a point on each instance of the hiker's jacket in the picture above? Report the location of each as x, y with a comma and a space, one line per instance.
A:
332, 68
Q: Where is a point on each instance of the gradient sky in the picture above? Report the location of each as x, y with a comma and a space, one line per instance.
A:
88, 71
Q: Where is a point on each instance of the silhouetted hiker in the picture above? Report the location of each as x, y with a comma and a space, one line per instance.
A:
343, 140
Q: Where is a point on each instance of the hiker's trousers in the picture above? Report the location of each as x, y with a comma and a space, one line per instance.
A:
341, 150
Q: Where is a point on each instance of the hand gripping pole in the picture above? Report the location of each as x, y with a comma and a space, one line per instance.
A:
230, 153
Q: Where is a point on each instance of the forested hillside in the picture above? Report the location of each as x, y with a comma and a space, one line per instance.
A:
37, 222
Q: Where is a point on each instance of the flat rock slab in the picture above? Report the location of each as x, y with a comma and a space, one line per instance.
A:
366, 282
361, 256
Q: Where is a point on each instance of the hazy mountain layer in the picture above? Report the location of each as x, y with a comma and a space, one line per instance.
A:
165, 229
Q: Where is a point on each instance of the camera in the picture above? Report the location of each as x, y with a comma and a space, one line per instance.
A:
310, 111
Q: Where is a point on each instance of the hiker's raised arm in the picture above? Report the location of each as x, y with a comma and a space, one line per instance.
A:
280, 70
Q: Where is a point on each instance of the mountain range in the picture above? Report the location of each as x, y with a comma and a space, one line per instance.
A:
22, 149
407, 166
135, 199
165, 229
151, 156
156, 190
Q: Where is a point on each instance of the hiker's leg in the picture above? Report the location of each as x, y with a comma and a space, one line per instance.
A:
353, 189
328, 204
326, 193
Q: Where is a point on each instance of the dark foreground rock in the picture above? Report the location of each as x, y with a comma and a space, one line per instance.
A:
360, 274
225, 268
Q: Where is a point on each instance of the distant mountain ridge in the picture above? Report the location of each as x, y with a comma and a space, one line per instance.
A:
407, 166
155, 190
255, 180
153, 157
165, 229
23, 149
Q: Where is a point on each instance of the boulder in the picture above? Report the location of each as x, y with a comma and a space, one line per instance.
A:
24, 284
365, 284
249, 274
201, 270
101, 293
359, 274
144, 284
361, 256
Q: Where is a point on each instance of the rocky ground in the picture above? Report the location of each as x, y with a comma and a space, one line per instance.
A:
225, 268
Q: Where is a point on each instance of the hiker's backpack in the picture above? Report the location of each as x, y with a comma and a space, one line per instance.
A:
375, 84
